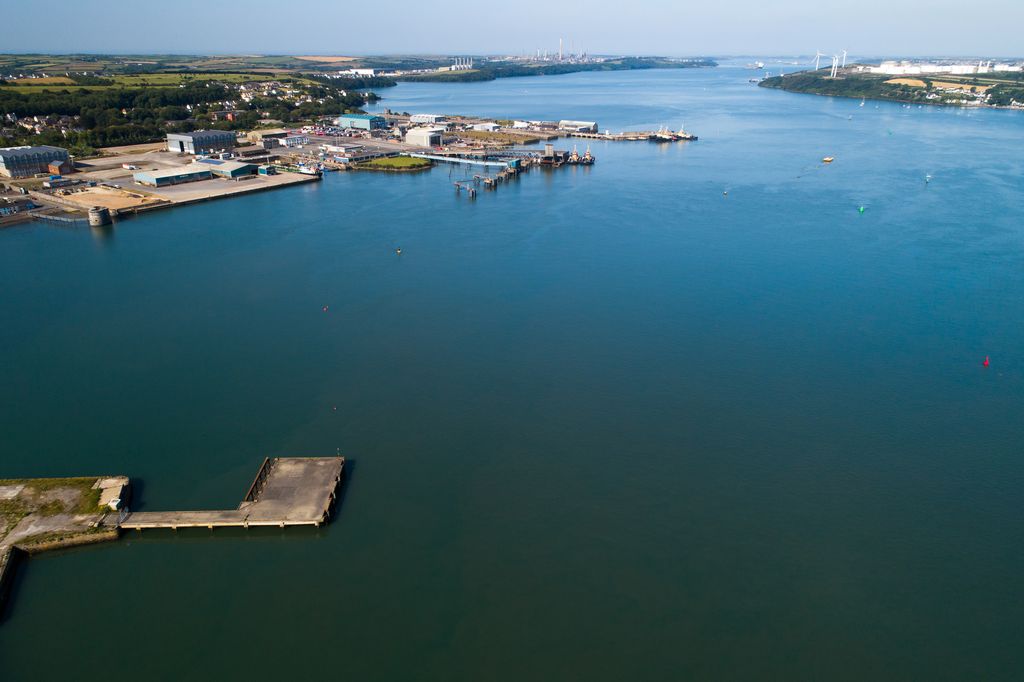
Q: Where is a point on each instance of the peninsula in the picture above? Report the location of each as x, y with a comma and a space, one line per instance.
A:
948, 84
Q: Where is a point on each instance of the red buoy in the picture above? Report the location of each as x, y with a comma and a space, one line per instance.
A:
985, 364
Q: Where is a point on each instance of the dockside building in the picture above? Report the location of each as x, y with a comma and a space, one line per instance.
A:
24, 162
361, 122
200, 141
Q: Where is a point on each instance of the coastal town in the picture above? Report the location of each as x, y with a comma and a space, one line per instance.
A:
44, 182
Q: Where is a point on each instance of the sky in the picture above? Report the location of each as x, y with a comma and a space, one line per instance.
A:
651, 27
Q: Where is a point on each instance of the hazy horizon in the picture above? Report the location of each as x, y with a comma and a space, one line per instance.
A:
649, 27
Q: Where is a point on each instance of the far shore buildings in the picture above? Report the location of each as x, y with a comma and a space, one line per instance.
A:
200, 141
578, 126
24, 162
916, 68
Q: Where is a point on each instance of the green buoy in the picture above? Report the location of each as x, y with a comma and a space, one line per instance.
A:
861, 209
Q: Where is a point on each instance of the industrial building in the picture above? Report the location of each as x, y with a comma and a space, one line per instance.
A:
173, 176
257, 136
61, 167
427, 118
361, 122
231, 170
200, 141
486, 127
294, 140
24, 162
424, 137
578, 126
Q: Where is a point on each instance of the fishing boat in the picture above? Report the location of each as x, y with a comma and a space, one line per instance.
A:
313, 169
828, 159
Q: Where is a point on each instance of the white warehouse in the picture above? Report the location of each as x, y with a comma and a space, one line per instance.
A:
427, 118
424, 137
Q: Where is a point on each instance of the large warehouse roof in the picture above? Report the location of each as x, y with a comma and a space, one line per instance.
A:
14, 152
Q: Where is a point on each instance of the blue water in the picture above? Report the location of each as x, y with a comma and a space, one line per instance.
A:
604, 423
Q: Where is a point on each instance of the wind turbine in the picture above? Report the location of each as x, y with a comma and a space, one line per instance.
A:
817, 59
835, 65
844, 59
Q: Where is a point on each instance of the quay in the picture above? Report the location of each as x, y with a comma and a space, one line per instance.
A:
287, 491
44, 514
638, 136
457, 159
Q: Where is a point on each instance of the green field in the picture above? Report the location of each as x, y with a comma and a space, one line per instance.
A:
144, 80
399, 163
58, 65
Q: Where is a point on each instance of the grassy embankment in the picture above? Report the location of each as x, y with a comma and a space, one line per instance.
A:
504, 137
14, 510
396, 164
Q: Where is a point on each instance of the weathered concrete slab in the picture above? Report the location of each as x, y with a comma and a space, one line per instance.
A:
288, 491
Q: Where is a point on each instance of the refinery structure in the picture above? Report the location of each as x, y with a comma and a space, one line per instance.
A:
955, 68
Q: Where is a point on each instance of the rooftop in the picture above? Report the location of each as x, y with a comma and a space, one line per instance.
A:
13, 152
202, 134
365, 117
173, 172
224, 165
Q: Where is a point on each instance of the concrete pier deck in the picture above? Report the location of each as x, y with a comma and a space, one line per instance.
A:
287, 491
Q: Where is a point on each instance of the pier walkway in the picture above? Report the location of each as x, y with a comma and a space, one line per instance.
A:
287, 491
455, 159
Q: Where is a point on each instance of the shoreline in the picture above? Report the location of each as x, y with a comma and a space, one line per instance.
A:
893, 100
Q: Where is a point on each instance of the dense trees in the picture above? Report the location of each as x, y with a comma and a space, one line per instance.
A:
877, 87
116, 116
490, 70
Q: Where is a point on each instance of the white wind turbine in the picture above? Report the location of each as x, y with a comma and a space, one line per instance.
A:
817, 59
835, 65
844, 59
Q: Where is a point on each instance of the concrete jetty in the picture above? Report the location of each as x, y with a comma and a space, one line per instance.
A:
43, 514
287, 491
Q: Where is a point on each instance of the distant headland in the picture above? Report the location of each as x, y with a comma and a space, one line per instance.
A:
946, 82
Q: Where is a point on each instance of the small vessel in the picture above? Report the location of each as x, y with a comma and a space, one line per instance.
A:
576, 159
755, 65
862, 101
828, 159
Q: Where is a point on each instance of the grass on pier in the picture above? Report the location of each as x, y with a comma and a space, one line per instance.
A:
88, 498
398, 163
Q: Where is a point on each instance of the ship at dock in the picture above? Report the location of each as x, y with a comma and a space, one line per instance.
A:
576, 159
666, 135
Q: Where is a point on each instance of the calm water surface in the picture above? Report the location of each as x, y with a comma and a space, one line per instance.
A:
603, 424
